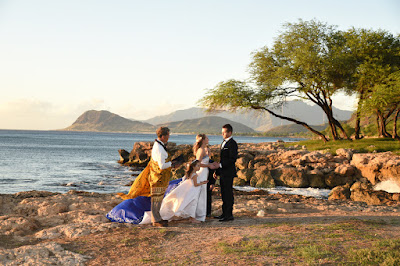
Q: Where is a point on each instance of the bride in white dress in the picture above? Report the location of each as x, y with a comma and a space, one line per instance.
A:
189, 198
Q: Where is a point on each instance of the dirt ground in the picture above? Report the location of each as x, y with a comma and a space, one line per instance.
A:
302, 231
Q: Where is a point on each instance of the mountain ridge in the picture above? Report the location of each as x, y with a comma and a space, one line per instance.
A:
208, 125
260, 121
195, 119
105, 121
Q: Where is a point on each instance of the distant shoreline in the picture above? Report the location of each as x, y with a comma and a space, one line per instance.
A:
151, 132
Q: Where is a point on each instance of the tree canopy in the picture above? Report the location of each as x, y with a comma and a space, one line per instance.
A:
312, 61
371, 56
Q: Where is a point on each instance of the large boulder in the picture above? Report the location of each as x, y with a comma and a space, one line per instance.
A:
262, 178
243, 161
340, 193
346, 153
245, 174
259, 160
123, 156
316, 178
141, 153
315, 157
239, 182
377, 167
372, 197
333, 180
293, 154
391, 170
290, 177
345, 170
361, 185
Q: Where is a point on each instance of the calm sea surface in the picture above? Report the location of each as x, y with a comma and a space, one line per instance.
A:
59, 161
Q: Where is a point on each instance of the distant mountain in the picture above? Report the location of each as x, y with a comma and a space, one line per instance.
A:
252, 119
208, 125
311, 114
106, 121
293, 130
259, 120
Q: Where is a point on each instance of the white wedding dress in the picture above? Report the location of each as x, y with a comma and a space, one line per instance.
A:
185, 200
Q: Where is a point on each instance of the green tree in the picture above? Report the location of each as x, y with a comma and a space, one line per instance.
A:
305, 62
384, 102
370, 56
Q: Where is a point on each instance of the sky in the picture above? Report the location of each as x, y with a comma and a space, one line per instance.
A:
140, 59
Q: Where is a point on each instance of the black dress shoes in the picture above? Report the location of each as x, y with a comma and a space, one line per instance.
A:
226, 219
219, 217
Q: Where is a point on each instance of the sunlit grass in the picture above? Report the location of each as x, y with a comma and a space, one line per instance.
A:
362, 145
384, 252
355, 242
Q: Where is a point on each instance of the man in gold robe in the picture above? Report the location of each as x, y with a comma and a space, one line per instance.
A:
154, 179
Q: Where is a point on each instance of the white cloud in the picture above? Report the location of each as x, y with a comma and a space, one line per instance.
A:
42, 115
140, 112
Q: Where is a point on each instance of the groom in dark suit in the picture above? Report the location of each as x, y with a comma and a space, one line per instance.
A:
227, 171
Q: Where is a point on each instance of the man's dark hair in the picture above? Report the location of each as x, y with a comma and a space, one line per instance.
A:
228, 127
162, 131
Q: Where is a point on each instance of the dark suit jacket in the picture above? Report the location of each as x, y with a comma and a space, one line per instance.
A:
229, 154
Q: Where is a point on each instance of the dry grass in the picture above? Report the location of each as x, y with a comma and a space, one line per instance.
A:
249, 240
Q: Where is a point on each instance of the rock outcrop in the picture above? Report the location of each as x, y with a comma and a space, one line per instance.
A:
51, 215
266, 165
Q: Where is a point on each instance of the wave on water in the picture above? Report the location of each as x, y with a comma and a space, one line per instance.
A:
318, 193
389, 186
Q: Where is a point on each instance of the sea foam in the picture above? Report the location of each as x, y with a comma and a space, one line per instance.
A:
390, 186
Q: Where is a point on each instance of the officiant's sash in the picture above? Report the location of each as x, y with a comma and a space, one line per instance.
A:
151, 182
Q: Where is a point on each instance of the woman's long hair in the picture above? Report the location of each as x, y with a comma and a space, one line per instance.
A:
190, 167
199, 142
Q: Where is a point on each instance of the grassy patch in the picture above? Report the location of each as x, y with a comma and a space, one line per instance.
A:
356, 242
313, 253
384, 252
362, 145
253, 246
274, 225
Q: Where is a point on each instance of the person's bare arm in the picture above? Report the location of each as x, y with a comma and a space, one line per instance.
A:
194, 178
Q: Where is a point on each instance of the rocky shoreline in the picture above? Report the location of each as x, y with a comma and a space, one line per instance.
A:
40, 227
349, 174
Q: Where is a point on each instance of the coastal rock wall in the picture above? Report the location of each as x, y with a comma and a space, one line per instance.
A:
272, 164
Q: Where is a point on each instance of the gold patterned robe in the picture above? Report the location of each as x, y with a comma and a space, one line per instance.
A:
152, 182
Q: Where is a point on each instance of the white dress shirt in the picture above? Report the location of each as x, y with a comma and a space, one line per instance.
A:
159, 154
225, 141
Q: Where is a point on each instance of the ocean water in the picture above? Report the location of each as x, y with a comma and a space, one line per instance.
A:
59, 161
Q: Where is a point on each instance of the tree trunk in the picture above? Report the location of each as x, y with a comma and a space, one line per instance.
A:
386, 120
344, 133
322, 136
328, 112
357, 126
333, 129
382, 126
378, 125
394, 134
358, 117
